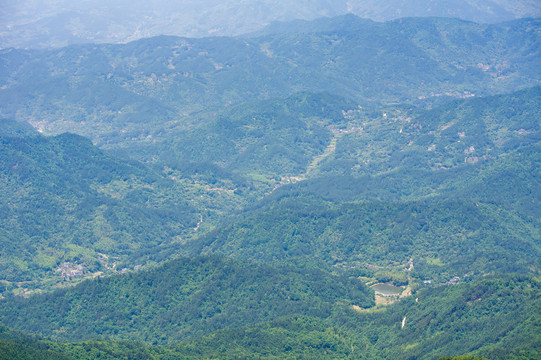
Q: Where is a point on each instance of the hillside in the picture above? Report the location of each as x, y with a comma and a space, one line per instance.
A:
483, 149
444, 239
439, 322
332, 189
139, 92
65, 201
73, 203
270, 138
472, 10
453, 320
182, 299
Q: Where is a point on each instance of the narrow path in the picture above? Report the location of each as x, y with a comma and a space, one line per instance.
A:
312, 167
199, 223
331, 148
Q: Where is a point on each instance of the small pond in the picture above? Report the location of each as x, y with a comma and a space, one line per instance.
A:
387, 289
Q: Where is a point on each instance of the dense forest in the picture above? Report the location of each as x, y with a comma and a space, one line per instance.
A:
182, 299
335, 189
60, 201
457, 319
444, 239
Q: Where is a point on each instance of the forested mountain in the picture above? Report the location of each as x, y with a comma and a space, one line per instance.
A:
10, 128
143, 91
438, 322
67, 201
444, 239
182, 299
236, 197
496, 318
482, 148
64, 200
473, 10
55, 23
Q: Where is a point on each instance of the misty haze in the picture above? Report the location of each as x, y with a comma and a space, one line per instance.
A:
270, 179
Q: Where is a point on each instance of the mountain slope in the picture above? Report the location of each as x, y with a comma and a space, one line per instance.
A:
442, 321
482, 148
183, 298
405, 153
472, 10
444, 239
138, 92
65, 191
64, 200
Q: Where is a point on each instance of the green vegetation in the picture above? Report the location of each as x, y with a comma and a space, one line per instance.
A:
64, 200
469, 239
278, 137
132, 97
16, 345
69, 192
465, 357
10, 128
279, 176
400, 222
495, 318
182, 299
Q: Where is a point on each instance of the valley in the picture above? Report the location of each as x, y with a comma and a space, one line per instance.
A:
334, 189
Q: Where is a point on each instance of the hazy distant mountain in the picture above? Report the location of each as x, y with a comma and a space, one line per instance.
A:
60, 22
39, 23
473, 10
144, 89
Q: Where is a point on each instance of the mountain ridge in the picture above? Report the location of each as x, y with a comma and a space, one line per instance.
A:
136, 91
59, 23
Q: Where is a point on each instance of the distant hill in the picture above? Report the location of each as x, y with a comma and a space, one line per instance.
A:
472, 10
136, 94
479, 148
57, 23
482, 149
312, 136
12, 128
269, 138
510, 181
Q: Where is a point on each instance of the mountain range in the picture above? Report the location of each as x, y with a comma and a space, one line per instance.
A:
333, 189
139, 93
57, 23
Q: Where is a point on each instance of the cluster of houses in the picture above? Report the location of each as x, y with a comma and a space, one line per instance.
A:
68, 270
410, 265
335, 130
125, 270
